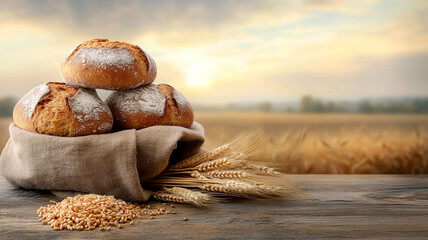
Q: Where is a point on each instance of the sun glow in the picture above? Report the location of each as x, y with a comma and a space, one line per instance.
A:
199, 74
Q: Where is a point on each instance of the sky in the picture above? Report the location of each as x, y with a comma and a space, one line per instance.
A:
218, 52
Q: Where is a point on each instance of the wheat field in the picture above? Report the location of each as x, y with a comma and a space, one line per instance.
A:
321, 143
329, 143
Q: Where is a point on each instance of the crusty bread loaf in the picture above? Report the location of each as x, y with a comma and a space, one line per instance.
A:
62, 110
105, 64
148, 106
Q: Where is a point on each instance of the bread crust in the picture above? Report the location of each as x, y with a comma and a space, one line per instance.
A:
63, 111
25, 108
110, 65
149, 105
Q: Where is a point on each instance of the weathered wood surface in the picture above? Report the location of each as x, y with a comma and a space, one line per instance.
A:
331, 206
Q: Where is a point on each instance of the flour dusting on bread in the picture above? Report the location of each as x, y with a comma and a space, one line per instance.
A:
105, 57
31, 99
143, 99
86, 105
105, 126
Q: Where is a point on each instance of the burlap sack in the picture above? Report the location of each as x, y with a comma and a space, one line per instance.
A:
110, 164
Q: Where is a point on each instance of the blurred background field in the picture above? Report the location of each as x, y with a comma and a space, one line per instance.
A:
322, 143
329, 143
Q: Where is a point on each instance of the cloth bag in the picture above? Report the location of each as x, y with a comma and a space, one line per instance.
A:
110, 164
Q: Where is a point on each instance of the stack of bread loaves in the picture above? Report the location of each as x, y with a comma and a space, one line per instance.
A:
73, 108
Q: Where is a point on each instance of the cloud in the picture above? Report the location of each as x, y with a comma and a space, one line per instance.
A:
255, 49
126, 19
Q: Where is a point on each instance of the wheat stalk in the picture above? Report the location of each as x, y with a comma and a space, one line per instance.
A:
247, 142
176, 181
217, 172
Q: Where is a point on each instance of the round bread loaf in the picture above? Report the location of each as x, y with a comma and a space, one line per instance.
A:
62, 110
105, 64
148, 106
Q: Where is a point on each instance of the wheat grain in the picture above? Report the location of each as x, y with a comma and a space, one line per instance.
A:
87, 212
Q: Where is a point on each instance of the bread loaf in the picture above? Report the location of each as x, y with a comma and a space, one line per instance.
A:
62, 110
110, 65
148, 106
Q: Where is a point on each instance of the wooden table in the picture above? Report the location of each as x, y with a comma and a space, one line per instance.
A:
331, 206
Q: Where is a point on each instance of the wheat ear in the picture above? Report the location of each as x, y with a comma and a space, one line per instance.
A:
225, 174
212, 165
230, 186
168, 197
197, 175
190, 196
260, 168
201, 157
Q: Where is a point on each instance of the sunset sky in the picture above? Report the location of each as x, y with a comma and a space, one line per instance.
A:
216, 52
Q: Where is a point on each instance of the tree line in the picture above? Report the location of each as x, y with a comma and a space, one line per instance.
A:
307, 104
6, 106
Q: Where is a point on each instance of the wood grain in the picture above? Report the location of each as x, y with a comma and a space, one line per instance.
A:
330, 206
